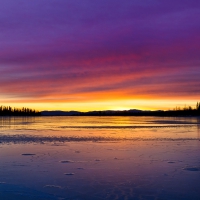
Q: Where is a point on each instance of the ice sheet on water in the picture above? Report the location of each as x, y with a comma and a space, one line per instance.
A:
5, 139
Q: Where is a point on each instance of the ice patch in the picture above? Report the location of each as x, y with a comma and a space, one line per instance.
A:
28, 154
171, 162
69, 174
53, 186
192, 169
66, 161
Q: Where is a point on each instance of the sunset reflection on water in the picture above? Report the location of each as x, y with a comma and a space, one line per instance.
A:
116, 128
51, 158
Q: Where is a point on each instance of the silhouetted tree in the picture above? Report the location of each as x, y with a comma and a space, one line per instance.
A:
198, 106
9, 111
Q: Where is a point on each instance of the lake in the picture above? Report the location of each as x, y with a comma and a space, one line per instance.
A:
130, 158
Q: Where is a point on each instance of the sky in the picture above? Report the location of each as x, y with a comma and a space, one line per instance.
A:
99, 55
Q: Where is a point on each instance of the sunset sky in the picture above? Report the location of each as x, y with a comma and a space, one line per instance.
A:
99, 54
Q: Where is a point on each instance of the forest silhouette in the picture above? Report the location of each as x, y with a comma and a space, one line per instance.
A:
186, 111
9, 111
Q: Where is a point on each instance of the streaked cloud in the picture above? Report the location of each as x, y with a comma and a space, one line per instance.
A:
92, 51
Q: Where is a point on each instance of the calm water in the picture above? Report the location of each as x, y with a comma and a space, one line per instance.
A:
99, 158
97, 128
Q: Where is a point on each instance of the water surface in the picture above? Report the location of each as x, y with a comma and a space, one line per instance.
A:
99, 158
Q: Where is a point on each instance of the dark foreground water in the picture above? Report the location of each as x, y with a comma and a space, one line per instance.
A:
130, 158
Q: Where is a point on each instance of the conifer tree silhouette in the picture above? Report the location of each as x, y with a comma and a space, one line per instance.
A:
9, 111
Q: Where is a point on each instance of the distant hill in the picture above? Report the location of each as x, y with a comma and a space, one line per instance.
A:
132, 112
92, 113
60, 113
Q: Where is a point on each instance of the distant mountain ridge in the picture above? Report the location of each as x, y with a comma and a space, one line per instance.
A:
76, 113
131, 112
59, 113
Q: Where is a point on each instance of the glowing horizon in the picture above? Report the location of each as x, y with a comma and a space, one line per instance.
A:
111, 105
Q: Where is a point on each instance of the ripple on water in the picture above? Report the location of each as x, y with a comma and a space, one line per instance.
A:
69, 174
192, 169
171, 162
53, 186
66, 161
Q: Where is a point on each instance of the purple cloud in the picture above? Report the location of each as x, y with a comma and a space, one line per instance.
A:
75, 47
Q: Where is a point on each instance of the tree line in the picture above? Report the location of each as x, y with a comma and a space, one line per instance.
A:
9, 111
176, 112
186, 111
